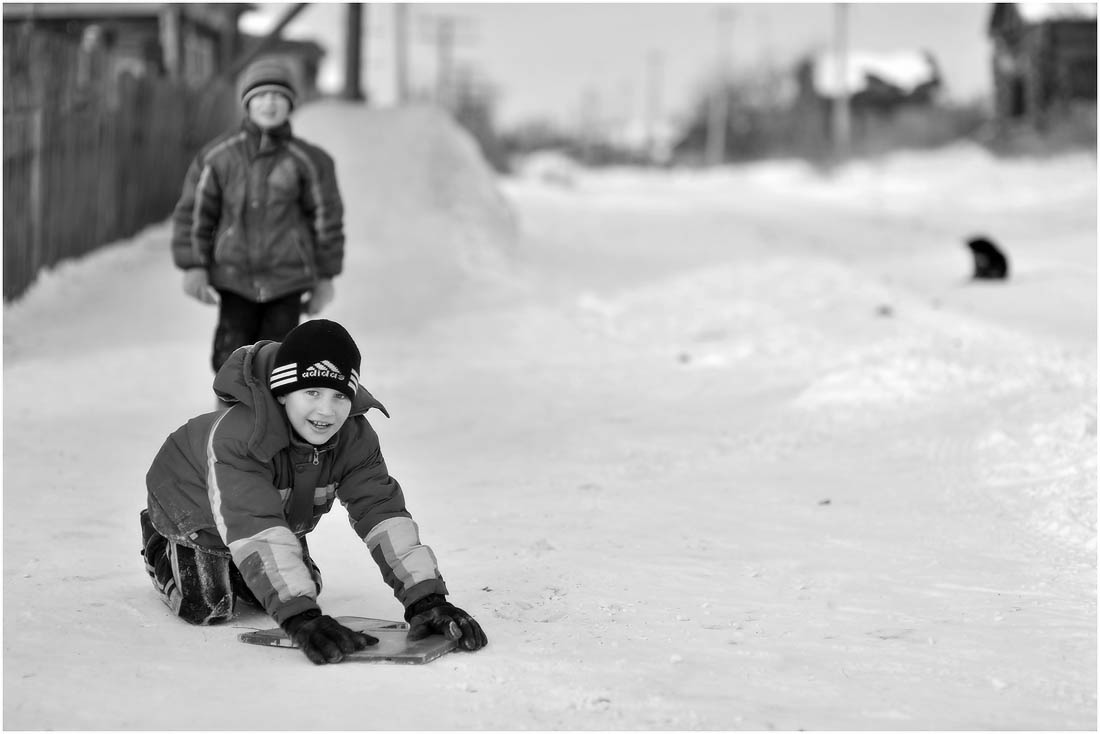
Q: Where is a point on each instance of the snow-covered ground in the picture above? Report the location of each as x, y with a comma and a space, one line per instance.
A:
730, 450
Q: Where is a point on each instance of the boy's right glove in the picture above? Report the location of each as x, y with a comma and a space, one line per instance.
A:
322, 638
196, 283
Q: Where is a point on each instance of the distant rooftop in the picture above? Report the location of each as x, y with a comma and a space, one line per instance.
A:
1042, 12
906, 70
79, 10
16, 11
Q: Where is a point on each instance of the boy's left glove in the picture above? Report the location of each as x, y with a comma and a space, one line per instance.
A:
434, 614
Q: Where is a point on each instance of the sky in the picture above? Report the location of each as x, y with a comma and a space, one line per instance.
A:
557, 60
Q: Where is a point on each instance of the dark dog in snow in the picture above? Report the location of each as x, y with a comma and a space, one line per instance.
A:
989, 262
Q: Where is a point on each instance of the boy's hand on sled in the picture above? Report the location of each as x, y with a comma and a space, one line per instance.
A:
323, 639
196, 283
435, 615
320, 297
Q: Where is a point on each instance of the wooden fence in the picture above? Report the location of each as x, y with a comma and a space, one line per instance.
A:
92, 153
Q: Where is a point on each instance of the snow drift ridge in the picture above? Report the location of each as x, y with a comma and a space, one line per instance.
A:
421, 204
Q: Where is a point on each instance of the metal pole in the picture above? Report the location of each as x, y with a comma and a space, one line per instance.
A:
353, 54
718, 117
654, 67
445, 30
842, 114
401, 52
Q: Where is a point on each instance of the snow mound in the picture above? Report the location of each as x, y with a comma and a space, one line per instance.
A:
425, 208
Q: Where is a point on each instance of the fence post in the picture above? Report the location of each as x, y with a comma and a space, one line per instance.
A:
35, 193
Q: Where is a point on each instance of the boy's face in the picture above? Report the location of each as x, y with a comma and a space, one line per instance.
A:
269, 109
316, 413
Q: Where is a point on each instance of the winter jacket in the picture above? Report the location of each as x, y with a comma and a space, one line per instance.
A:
261, 211
241, 483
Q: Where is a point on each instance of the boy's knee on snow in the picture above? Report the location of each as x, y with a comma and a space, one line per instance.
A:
198, 587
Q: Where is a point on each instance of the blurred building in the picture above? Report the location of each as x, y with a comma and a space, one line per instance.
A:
889, 97
188, 42
1044, 59
873, 82
105, 105
191, 42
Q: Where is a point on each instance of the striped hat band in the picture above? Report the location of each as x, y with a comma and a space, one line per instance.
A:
288, 378
317, 353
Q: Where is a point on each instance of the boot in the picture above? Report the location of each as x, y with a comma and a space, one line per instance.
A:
203, 592
196, 586
154, 550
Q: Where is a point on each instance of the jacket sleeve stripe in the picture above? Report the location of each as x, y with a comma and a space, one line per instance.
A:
275, 555
213, 490
395, 545
196, 215
202, 227
320, 219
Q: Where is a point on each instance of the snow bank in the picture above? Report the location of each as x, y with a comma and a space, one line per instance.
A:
424, 215
875, 319
746, 451
959, 175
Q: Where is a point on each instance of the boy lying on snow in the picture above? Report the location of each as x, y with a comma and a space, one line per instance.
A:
232, 495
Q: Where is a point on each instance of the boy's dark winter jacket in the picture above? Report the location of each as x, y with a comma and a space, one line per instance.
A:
261, 211
241, 483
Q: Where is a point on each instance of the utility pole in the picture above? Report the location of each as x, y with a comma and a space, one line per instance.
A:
444, 49
401, 52
718, 112
654, 72
591, 121
842, 114
353, 54
446, 32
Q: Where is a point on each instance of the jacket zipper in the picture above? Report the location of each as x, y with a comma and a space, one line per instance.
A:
316, 457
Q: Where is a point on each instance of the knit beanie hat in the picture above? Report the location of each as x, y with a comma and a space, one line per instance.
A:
267, 75
317, 353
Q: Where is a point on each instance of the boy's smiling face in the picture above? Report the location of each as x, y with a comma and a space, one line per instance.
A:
269, 109
316, 413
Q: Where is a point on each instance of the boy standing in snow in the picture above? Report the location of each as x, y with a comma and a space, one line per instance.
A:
259, 226
232, 495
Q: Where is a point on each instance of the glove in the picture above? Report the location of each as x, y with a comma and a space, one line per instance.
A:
196, 283
320, 297
323, 639
435, 615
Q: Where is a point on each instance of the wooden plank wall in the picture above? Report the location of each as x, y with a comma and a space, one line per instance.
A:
92, 154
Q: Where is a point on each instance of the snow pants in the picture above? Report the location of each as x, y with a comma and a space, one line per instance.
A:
199, 586
242, 322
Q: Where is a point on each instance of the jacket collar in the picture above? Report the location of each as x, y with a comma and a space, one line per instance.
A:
266, 141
